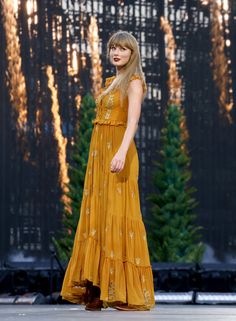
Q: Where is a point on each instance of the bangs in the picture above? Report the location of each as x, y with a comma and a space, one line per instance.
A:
120, 39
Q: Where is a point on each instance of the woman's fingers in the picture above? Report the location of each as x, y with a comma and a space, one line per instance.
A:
114, 166
117, 165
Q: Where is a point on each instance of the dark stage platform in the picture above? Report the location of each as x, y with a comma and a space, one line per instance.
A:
76, 312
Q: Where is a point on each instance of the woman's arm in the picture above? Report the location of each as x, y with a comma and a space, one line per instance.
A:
135, 94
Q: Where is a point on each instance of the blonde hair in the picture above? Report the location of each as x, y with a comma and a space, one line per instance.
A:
125, 39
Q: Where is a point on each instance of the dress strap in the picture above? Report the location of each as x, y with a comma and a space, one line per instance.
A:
135, 76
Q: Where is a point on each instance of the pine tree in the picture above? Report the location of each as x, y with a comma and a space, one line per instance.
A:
173, 235
77, 169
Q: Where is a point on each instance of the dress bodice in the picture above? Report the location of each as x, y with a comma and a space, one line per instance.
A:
109, 109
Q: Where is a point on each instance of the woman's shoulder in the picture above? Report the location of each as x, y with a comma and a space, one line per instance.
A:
138, 76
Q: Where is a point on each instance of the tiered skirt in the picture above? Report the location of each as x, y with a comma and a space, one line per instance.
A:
110, 246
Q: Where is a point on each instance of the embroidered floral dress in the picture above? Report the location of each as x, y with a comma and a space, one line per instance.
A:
110, 245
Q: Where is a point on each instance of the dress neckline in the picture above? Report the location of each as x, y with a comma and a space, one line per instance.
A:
111, 77
109, 80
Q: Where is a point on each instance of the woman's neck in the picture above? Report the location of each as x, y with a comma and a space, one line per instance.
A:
119, 70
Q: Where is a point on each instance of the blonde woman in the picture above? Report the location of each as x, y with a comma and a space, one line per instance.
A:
110, 263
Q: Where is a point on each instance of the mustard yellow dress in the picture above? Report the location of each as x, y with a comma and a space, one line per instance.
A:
110, 245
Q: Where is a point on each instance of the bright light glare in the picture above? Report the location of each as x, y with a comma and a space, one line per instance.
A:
30, 7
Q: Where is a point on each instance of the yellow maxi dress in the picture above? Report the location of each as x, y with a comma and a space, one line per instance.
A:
110, 245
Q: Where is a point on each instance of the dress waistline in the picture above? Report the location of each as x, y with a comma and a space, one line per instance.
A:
113, 122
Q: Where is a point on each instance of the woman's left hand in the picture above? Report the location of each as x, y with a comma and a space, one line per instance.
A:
118, 162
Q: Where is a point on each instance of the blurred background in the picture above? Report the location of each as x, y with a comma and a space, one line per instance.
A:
53, 53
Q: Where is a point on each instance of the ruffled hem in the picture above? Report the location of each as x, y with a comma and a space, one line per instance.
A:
118, 281
113, 122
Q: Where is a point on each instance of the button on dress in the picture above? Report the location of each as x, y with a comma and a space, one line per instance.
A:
110, 246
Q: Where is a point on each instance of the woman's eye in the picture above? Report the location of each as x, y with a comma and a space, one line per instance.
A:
120, 48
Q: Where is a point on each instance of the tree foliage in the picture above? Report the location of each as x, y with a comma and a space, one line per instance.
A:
173, 233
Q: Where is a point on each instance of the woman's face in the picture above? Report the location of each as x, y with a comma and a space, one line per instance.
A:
119, 56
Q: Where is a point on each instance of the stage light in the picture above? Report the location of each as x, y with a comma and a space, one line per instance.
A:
27, 298
31, 298
7, 298
215, 298
15, 6
220, 67
174, 81
94, 42
61, 140
174, 297
16, 78
29, 7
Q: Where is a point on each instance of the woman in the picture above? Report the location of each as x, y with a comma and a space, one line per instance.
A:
110, 263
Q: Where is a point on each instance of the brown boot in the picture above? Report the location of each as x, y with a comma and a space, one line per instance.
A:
95, 305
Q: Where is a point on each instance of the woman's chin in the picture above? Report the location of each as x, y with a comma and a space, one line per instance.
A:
118, 64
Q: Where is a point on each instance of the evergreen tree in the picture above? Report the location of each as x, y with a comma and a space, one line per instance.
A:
77, 169
173, 235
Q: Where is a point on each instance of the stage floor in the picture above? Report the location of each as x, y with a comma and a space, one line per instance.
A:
75, 313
